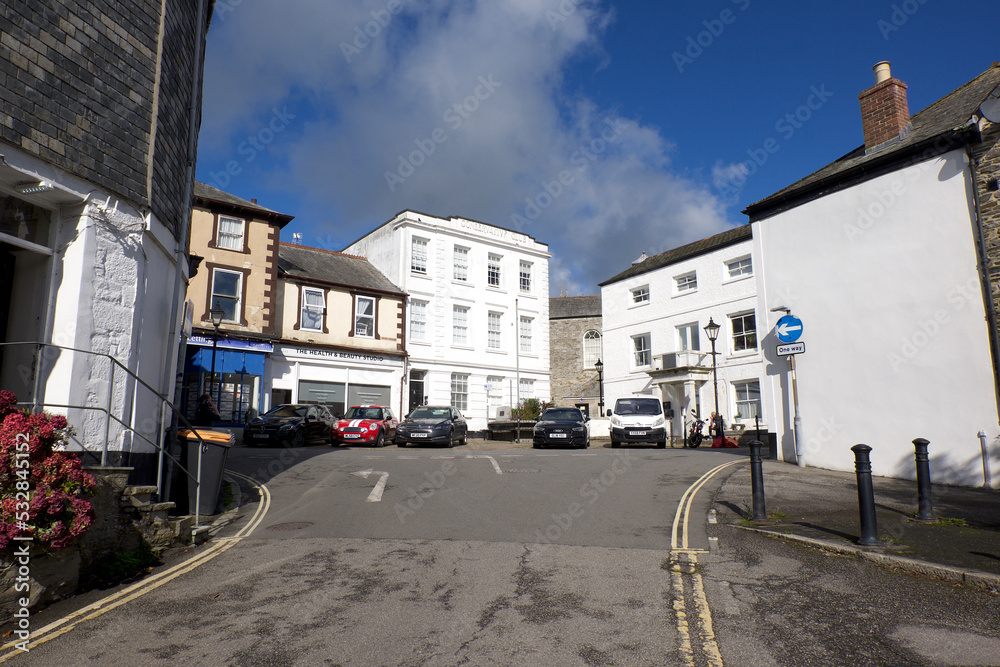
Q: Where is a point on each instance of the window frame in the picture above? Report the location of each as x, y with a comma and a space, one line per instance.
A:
240, 298
683, 343
599, 338
460, 263
638, 353
494, 270
460, 391
742, 274
526, 334
417, 305
743, 334
415, 243
686, 283
303, 307
524, 277
356, 316
217, 234
494, 330
460, 326
640, 295
523, 395
754, 406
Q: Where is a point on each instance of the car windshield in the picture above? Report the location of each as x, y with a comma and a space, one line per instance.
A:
286, 411
567, 414
637, 406
358, 412
430, 413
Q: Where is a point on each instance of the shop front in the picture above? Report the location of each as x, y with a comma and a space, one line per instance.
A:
337, 379
235, 379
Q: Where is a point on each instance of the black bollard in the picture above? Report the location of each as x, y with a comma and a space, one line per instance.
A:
925, 507
866, 496
757, 482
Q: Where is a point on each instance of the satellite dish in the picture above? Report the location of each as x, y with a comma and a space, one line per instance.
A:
990, 110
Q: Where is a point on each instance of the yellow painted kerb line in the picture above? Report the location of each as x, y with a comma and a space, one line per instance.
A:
220, 546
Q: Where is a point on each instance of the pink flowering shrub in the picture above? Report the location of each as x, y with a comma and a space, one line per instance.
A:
45, 498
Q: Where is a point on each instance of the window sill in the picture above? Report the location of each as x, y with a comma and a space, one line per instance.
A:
641, 304
686, 292
743, 354
737, 279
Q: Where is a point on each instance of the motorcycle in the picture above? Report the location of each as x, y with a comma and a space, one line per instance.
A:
695, 435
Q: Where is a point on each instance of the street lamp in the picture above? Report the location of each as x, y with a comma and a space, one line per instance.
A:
712, 331
217, 314
600, 386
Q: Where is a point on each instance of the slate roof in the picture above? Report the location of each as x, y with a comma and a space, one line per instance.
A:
565, 307
332, 268
944, 125
700, 247
207, 194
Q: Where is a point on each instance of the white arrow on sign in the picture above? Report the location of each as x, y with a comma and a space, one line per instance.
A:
785, 329
376, 494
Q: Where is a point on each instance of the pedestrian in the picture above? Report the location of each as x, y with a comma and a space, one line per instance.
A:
718, 430
206, 413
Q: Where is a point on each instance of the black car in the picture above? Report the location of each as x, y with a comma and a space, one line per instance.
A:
562, 427
440, 425
290, 424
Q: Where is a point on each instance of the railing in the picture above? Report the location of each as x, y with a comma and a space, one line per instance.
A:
37, 405
684, 359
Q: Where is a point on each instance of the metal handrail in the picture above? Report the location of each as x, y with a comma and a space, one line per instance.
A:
37, 405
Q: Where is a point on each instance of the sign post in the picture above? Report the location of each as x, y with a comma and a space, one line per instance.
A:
788, 330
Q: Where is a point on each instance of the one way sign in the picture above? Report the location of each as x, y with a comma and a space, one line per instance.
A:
788, 329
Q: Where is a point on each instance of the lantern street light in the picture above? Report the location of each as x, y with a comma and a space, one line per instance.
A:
600, 386
712, 331
217, 314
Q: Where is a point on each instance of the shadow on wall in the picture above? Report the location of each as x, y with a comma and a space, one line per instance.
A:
945, 470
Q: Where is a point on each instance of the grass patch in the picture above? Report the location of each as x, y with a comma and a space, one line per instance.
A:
948, 521
117, 568
779, 517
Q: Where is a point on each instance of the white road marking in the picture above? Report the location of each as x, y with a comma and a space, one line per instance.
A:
376, 494
496, 466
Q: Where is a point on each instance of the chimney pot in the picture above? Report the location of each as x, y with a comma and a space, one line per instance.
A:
882, 72
253, 201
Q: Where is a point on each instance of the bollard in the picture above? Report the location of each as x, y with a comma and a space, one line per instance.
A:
866, 496
925, 508
757, 481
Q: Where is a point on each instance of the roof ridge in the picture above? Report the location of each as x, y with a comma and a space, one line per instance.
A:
329, 252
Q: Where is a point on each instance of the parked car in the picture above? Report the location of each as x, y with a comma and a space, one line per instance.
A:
290, 424
370, 424
440, 425
561, 427
638, 418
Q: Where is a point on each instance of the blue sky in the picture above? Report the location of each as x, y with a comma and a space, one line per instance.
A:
603, 128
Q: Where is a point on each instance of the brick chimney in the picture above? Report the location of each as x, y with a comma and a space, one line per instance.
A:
885, 114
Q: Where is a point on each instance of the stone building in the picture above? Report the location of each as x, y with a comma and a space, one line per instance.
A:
575, 346
98, 141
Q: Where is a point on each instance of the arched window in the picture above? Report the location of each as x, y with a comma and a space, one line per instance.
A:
591, 348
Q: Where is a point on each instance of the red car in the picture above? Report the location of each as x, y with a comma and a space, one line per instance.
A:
370, 424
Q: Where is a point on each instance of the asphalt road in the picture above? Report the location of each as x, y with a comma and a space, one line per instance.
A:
354, 556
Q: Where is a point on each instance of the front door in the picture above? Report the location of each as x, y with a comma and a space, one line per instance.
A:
416, 390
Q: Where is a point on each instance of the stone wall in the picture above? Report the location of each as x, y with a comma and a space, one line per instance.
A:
78, 82
566, 359
987, 154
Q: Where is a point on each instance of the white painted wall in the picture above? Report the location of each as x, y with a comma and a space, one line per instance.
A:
388, 248
717, 297
884, 277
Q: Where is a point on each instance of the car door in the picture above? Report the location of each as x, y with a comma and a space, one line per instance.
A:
313, 423
390, 423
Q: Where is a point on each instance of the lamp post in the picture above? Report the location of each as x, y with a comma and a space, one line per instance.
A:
712, 331
217, 314
600, 387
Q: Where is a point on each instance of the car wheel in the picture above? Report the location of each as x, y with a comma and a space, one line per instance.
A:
299, 439
451, 439
615, 443
535, 445
662, 444
380, 440
465, 439
401, 443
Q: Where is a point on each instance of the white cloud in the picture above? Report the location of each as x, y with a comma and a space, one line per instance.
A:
449, 107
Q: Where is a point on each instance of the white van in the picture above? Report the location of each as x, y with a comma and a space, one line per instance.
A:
638, 418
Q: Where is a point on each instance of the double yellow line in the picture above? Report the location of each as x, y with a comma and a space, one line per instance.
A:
684, 561
92, 611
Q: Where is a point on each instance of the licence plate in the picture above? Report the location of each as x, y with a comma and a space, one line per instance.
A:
352, 435
637, 433
557, 435
419, 435
262, 436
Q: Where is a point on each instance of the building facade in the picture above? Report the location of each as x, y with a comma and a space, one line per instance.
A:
655, 314
889, 256
342, 333
236, 242
575, 347
477, 311
98, 138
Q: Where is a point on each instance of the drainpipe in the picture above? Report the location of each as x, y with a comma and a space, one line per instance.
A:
991, 315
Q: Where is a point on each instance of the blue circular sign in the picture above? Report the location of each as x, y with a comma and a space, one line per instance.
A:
788, 329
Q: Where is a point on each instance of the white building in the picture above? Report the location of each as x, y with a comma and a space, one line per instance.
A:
879, 255
477, 312
655, 313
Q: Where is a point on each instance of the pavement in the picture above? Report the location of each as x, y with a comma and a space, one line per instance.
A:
819, 508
